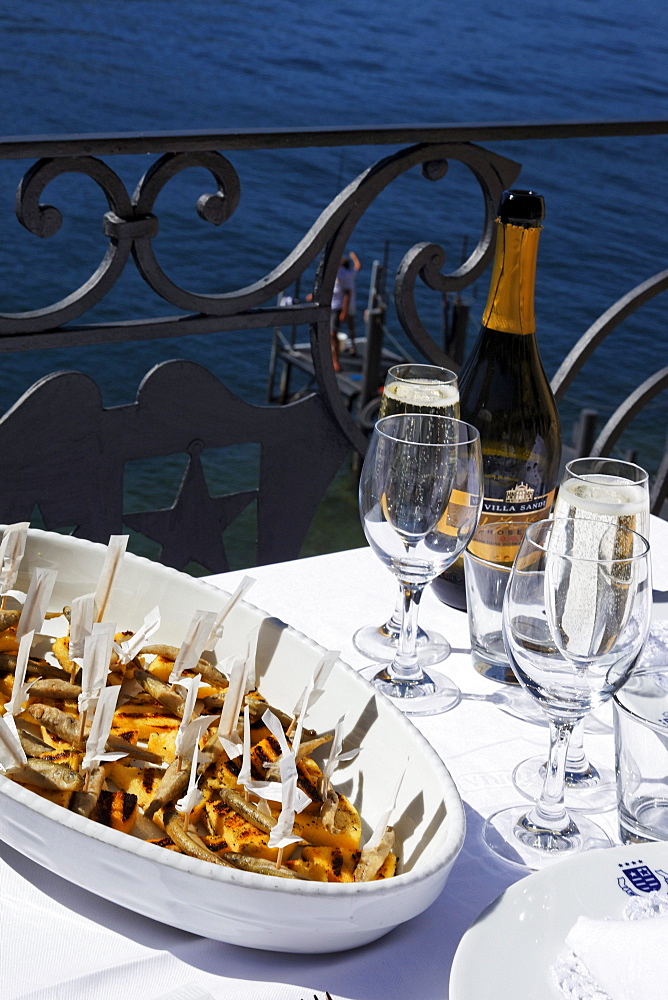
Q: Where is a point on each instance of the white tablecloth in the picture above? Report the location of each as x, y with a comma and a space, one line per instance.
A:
51, 931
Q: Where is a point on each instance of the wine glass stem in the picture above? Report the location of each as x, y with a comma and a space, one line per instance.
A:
394, 624
405, 666
549, 812
576, 758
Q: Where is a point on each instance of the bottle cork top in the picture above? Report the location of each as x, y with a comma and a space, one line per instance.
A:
522, 208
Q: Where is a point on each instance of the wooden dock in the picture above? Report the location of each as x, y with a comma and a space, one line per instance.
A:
362, 375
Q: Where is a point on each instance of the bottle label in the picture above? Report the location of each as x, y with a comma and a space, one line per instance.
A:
502, 525
518, 501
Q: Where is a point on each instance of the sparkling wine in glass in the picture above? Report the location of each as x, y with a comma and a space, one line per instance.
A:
420, 497
411, 388
608, 491
576, 616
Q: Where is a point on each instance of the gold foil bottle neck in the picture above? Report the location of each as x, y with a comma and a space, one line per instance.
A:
510, 304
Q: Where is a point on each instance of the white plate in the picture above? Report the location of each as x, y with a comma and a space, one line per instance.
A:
509, 950
235, 906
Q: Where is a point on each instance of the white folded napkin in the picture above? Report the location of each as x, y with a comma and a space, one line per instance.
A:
614, 959
628, 958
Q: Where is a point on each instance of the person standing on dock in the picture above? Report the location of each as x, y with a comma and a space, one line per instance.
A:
344, 305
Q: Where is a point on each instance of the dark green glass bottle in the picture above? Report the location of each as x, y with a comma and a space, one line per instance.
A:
504, 392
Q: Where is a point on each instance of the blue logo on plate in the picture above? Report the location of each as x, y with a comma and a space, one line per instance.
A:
641, 877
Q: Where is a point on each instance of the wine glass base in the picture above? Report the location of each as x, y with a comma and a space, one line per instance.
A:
593, 791
381, 643
508, 834
436, 694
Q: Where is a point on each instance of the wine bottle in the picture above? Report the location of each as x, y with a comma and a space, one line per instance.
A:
505, 394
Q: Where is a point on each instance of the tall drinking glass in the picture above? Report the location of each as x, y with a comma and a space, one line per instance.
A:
611, 491
420, 498
576, 616
414, 388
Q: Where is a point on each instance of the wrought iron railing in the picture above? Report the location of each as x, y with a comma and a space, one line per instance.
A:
132, 221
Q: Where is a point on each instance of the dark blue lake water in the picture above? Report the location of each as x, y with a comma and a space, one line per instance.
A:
72, 67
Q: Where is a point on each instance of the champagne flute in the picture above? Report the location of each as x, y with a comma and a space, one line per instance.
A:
576, 616
420, 498
411, 388
614, 492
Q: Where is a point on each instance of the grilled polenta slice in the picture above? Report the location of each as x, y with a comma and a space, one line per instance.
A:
60, 798
64, 754
143, 782
139, 781
239, 835
161, 667
164, 744
144, 718
267, 751
348, 827
215, 843
333, 864
165, 842
117, 809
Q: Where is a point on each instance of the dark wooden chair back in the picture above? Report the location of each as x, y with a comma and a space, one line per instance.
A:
67, 454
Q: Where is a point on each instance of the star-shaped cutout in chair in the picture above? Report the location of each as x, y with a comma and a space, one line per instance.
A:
192, 529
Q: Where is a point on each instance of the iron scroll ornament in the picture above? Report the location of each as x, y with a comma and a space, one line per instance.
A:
131, 222
331, 231
45, 221
130, 225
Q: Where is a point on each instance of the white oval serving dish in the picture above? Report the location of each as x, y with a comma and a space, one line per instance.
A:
235, 906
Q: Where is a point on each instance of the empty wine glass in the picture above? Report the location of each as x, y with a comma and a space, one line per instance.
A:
420, 497
414, 388
576, 616
612, 491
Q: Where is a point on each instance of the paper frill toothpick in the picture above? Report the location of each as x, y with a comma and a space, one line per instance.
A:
99, 730
316, 685
310, 695
190, 729
336, 757
20, 688
245, 777
251, 656
191, 735
113, 561
12, 753
128, 649
96, 661
193, 795
229, 716
193, 645
381, 826
191, 686
272, 791
276, 730
37, 601
12, 548
217, 629
281, 834
81, 625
